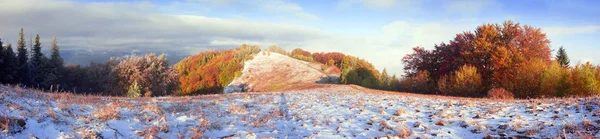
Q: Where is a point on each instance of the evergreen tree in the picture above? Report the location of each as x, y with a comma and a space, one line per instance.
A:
385, 80
2, 65
22, 61
134, 90
10, 68
54, 67
37, 63
395, 83
562, 57
55, 56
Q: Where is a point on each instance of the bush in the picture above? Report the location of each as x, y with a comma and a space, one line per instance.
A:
465, 82
499, 93
277, 49
151, 73
134, 90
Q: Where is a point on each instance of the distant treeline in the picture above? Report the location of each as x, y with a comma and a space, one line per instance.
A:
147, 75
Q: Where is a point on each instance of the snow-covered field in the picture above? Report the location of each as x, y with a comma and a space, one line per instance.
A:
333, 112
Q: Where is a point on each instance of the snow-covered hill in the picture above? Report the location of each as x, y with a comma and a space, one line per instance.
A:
272, 71
338, 111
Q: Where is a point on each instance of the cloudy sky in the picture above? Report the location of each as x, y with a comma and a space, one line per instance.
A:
380, 31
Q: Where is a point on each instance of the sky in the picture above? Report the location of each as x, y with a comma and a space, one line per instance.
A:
380, 31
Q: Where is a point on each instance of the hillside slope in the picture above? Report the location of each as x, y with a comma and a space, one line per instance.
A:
335, 111
273, 71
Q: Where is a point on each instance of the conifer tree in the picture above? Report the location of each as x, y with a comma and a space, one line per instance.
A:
562, 57
55, 56
2, 65
22, 61
38, 71
385, 80
10, 68
54, 67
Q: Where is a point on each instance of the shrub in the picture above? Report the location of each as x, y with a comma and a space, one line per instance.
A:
151, 73
277, 49
134, 90
465, 82
583, 80
499, 93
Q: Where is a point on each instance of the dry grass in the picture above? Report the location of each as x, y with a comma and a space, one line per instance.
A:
384, 125
400, 112
532, 131
150, 133
403, 131
197, 133
500, 93
441, 122
87, 133
5, 123
569, 128
237, 110
107, 113
154, 108
52, 114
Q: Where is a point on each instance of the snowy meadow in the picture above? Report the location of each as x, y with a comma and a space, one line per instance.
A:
332, 112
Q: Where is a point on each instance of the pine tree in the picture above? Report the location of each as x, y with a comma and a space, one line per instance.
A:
385, 80
10, 62
37, 63
55, 56
54, 67
2, 65
562, 57
134, 90
22, 61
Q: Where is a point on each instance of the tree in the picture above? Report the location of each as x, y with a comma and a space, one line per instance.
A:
134, 90
465, 82
54, 66
10, 65
395, 83
150, 72
562, 57
22, 61
2, 62
38, 62
385, 80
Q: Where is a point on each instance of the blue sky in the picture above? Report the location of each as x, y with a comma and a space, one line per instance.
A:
380, 31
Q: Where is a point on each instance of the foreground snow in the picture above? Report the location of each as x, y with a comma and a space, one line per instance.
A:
335, 112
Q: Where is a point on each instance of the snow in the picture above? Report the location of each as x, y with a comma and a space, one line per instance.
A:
334, 112
267, 69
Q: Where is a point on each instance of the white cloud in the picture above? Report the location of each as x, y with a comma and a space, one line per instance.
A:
561, 31
470, 6
109, 26
379, 4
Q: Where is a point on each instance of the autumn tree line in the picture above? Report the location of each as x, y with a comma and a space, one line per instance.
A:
505, 60
509, 57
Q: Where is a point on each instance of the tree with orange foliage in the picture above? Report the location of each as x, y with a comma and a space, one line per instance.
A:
210, 71
500, 52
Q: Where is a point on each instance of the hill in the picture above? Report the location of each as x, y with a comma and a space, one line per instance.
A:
272, 71
329, 111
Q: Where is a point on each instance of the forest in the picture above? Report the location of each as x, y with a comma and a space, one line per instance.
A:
507, 60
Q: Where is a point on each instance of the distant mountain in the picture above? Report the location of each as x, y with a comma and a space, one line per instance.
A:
84, 57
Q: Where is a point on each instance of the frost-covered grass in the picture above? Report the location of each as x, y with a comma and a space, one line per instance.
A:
334, 112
